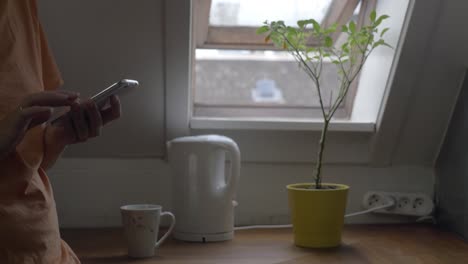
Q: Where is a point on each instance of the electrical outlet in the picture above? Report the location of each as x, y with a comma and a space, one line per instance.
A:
375, 199
403, 204
415, 204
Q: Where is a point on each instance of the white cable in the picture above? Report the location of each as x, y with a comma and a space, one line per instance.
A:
261, 227
389, 204
427, 217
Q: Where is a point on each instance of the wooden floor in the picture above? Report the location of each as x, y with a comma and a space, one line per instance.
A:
383, 244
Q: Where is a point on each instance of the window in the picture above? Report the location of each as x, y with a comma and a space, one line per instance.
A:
369, 136
238, 75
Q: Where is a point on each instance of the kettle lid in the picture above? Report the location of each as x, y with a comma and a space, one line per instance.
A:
202, 139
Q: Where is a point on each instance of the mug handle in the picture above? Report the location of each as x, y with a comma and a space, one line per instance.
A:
168, 232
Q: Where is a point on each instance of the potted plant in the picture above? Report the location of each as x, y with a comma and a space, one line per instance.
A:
317, 209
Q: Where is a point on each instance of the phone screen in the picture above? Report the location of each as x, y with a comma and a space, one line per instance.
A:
117, 88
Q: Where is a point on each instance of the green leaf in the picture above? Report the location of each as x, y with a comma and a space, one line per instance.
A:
383, 31
276, 40
291, 30
378, 43
301, 23
380, 19
344, 47
386, 44
328, 41
352, 27
362, 40
263, 29
344, 28
306, 22
331, 29
301, 48
267, 38
317, 27
373, 14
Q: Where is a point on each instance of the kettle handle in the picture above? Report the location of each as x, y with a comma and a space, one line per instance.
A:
231, 147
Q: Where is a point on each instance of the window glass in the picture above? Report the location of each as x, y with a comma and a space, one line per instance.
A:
237, 79
252, 13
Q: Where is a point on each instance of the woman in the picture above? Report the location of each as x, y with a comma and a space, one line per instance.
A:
29, 144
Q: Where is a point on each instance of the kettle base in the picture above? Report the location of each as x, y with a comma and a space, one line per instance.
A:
203, 238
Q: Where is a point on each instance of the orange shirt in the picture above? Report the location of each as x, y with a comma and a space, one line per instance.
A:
29, 231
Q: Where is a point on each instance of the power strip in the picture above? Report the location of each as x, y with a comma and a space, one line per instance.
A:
414, 204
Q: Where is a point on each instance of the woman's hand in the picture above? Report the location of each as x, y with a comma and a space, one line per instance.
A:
84, 121
33, 110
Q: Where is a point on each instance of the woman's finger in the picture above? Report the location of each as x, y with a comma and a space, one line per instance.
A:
113, 112
69, 93
50, 99
79, 122
33, 116
94, 118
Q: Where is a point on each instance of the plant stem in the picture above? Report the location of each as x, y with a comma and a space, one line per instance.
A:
309, 71
318, 171
355, 50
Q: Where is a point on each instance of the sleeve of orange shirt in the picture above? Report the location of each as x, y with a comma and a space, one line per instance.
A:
51, 80
50, 73
29, 230
26, 66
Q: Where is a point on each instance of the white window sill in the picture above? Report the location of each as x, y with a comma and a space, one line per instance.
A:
279, 124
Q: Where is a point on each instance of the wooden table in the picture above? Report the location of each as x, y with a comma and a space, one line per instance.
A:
361, 244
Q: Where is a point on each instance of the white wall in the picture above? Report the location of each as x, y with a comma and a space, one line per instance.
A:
90, 190
96, 43
452, 171
433, 101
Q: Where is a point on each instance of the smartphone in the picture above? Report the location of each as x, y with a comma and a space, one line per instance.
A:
100, 98
117, 88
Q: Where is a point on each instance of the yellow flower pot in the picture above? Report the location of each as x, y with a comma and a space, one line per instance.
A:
317, 214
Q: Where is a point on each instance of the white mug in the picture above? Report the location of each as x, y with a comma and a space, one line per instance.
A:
141, 226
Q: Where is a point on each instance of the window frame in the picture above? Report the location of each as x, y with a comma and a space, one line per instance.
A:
217, 37
273, 146
221, 37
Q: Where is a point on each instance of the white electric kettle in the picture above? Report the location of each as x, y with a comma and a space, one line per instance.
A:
202, 190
